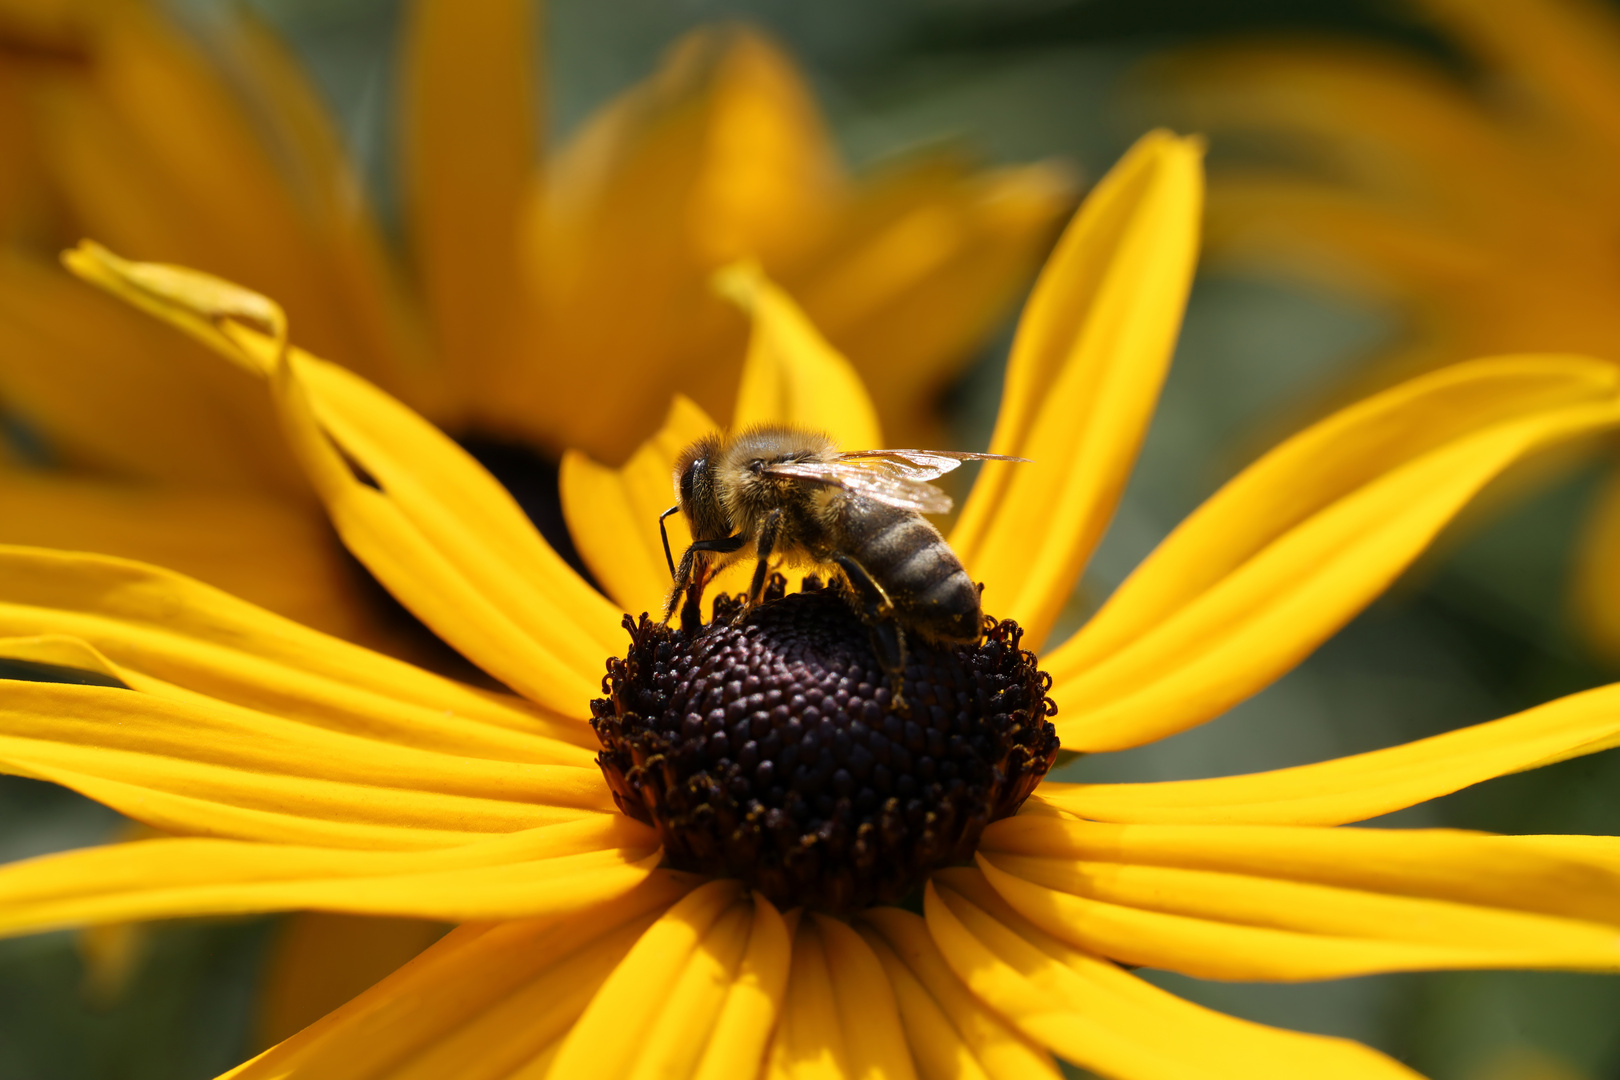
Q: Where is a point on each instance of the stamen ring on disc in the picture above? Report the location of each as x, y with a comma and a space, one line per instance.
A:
770, 749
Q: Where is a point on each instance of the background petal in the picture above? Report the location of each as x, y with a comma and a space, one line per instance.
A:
720, 155
470, 146
277, 553
792, 375
924, 261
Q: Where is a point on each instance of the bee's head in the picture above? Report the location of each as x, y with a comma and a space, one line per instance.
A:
697, 491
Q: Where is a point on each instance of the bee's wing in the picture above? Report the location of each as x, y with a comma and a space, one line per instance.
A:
875, 477
896, 477
923, 464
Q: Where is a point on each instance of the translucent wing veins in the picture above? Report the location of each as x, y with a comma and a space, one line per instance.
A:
899, 478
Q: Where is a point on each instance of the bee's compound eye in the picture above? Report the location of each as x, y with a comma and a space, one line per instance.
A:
688, 481
787, 764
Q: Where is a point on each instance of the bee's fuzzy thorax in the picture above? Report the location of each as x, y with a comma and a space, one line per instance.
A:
749, 496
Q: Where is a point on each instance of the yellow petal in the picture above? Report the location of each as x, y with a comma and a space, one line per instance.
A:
319, 960
552, 870
278, 554
613, 514
742, 1030
416, 509
1363, 786
867, 1012
921, 267
634, 995
1092, 349
181, 640
719, 156
483, 1003
1282, 903
210, 769
951, 1032
1095, 1015
698, 990
469, 148
809, 1041
791, 375
1291, 549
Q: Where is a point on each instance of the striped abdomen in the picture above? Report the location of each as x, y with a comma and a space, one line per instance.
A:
909, 558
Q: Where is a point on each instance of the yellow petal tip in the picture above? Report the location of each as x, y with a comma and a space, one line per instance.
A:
202, 305
740, 282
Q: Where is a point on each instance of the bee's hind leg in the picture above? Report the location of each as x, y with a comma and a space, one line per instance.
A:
877, 611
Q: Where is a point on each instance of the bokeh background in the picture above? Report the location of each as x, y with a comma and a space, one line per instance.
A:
1481, 628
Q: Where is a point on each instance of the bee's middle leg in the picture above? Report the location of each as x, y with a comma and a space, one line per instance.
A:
877, 611
768, 532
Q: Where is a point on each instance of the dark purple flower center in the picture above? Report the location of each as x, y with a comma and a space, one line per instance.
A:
771, 748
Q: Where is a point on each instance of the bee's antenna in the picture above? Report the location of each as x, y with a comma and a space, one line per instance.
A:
661, 532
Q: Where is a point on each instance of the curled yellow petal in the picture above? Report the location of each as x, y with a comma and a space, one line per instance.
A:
73, 361
1091, 352
195, 302
423, 516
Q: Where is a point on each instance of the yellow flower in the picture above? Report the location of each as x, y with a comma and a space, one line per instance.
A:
305, 772
1482, 210
508, 315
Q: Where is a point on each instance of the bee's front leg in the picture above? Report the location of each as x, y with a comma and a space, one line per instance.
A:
690, 578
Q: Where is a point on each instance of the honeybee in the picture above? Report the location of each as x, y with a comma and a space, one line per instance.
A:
788, 494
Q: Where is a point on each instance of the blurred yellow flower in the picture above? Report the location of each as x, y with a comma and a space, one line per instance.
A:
305, 772
535, 282
1481, 205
